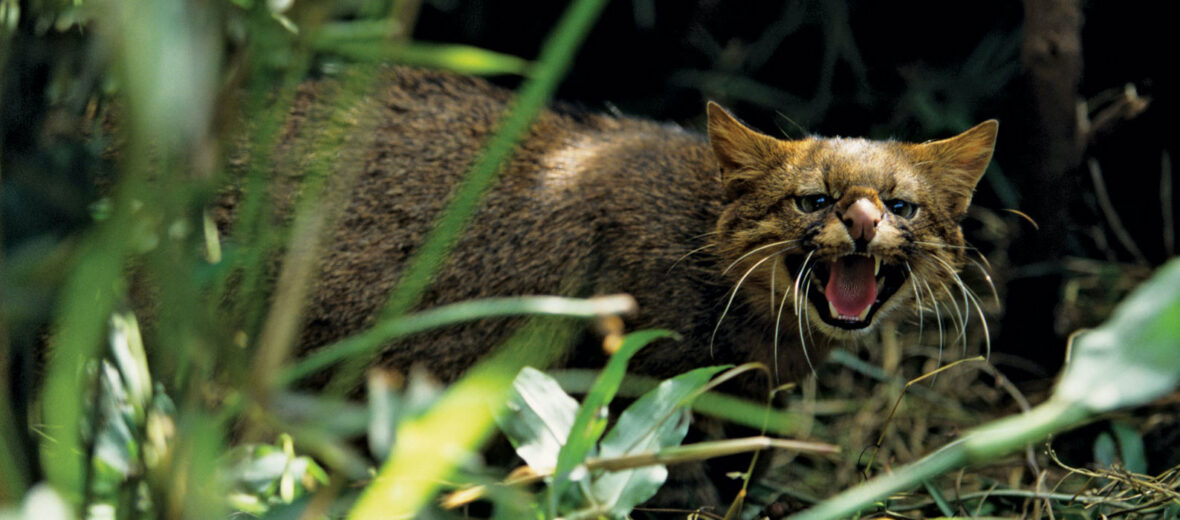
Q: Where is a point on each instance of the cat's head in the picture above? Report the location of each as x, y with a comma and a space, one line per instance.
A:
835, 233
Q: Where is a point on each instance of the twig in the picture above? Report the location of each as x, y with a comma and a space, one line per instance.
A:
1126, 105
1112, 218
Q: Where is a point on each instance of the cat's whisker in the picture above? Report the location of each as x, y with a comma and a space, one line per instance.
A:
954, 276
918, 299
937, 315
688, 254
961, 323
799, 321
987, 336
803, 270
986, 277
969, 297
773, 272
942, 245
755, 250
970, 294
806, 312
986, 263
734, 295
777, 322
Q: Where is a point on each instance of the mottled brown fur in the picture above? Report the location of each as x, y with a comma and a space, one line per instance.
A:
597, 204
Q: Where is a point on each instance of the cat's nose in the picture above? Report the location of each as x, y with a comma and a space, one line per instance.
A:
861, 218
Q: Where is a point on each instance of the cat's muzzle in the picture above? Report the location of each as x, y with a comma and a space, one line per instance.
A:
848, 291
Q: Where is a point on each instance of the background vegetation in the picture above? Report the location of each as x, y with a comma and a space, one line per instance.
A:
193, 419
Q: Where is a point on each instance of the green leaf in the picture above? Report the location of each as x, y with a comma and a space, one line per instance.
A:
375, 40
591, 420
538, 418
366, 343
655, 421
1131, 448
1134, 356
1105, 451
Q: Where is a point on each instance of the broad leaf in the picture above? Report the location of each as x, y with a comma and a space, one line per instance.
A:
538, 418
591, 420
655, 421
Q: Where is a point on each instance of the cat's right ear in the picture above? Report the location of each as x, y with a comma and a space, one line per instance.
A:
742, 153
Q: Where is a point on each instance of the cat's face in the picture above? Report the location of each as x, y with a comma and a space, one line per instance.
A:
833, 234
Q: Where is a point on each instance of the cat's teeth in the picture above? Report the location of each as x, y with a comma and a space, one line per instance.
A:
876, 265
864, 315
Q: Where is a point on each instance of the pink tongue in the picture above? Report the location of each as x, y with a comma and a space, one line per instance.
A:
851, 286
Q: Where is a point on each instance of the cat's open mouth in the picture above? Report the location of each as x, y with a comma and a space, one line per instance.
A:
849, 290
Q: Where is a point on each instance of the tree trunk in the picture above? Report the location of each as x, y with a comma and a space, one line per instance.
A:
1045, 151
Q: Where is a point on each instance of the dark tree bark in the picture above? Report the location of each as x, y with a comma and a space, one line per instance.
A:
1045, 152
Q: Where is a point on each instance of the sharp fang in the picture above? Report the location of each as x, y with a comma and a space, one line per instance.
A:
876, 265
865, 313
832, 311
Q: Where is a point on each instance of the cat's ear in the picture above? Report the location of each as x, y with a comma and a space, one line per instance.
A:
961, 160
743, 153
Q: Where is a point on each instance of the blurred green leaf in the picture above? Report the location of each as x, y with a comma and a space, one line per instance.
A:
1131, 449
263, 475
1106, 452
1134, 356
385, 406
42, 502
377, 40
366, 342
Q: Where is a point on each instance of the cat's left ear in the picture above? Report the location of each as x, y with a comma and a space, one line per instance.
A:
961, 160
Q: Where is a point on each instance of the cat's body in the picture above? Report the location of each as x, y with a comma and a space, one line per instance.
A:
598, 204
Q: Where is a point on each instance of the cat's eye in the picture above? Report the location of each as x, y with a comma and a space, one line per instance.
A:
901, 208
812, 203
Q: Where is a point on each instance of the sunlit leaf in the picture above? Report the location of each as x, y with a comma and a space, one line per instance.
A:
657, 420
591, 420
538, 418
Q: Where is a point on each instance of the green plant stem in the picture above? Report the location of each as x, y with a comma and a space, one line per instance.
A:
1018, 493
364, 344
980, 445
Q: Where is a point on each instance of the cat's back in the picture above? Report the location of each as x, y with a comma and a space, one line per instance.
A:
587, 204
